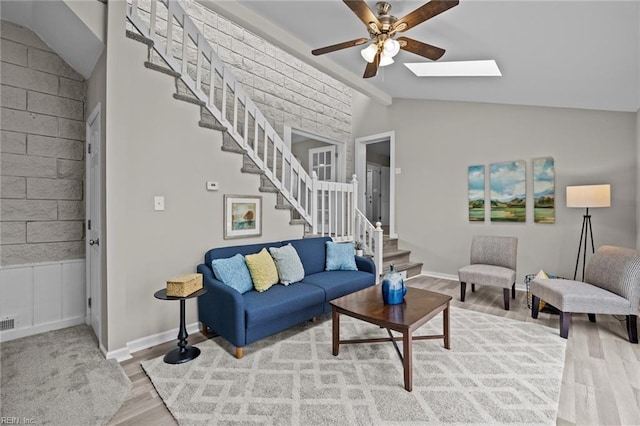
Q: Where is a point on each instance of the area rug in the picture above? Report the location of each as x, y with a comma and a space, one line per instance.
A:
60, 378
497, 371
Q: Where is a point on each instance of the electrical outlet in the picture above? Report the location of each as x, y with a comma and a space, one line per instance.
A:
158, 203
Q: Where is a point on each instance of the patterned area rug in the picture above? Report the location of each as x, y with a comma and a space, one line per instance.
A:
60, 378
497, 371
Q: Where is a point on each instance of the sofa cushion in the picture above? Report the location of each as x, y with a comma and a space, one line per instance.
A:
312, 253
262, 269
288, 264
340, 257
280, 301
339, 283
233, 272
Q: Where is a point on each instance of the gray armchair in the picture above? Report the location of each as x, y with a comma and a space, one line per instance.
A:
493, 263
611, 286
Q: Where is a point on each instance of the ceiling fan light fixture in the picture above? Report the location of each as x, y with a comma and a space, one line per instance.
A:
385, 59
369, 52
391, 47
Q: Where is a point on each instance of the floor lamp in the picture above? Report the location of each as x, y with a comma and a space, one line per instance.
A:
587, 196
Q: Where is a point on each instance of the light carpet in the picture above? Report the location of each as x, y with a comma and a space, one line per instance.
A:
497, 371
60, 378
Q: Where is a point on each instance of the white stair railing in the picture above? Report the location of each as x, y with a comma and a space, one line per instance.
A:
370, 237
327, 206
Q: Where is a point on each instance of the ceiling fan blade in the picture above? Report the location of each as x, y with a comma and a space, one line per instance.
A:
362, 11
419, 48
372, 67
339, 46
423, 13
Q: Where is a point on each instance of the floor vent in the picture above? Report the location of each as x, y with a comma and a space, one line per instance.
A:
8, 323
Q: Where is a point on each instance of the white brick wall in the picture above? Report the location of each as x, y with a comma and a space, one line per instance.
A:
42, 133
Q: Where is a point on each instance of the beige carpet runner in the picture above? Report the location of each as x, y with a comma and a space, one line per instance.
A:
497, 371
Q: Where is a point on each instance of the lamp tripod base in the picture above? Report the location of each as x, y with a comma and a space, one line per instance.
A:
585, 234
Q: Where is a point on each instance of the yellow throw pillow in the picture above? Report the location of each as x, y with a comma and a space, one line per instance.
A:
262, 269
541, 276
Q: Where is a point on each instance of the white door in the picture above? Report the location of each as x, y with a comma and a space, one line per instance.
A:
373, 193
93, 223
384, 194
323, 161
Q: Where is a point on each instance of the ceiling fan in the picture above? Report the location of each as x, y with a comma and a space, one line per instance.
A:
383, 30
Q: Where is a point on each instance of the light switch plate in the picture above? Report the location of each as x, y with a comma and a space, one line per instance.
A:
158, 203
212, 186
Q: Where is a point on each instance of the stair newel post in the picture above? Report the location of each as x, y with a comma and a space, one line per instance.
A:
352, 205
314, 203
377, 250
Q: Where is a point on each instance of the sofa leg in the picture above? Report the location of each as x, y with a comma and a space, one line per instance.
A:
513, 291
314, 320
565, 320
239, 353
473, 288
463, 290
535, 304
632, 328
204, 329
505, 292
592, 317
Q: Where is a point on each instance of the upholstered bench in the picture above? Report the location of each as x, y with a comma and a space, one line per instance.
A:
611, 286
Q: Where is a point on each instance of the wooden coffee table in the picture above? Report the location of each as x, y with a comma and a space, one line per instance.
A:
419, 306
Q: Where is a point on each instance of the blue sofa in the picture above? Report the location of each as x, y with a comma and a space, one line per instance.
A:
242, 319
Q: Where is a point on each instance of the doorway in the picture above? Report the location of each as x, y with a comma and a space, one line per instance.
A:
375, 171
93, 248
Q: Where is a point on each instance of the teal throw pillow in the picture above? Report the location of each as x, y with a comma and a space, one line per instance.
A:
233, 272
340, 257
288, 264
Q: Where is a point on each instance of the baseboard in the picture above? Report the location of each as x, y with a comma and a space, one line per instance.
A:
439, 275
519, 286
7, 335
136, 345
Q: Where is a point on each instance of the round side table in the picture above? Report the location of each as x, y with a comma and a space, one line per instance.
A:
184, 352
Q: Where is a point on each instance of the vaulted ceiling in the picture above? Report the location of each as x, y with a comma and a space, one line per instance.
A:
578, 54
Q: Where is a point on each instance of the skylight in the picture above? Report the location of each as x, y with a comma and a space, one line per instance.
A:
487, 68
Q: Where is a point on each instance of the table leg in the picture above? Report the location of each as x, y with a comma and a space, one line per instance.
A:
183, 352
445, 326
407, 359
335, 321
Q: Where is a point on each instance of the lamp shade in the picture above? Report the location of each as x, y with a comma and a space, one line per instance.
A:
369, 52
589, 196
385, 59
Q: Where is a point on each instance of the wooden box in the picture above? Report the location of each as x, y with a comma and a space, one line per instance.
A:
184, 285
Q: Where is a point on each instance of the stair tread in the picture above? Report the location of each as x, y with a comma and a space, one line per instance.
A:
395, 253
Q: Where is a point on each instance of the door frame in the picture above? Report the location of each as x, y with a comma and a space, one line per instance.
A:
93, 182
361, 172
341, 148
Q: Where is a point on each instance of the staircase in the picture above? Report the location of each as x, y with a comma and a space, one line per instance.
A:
400, 259
177, 48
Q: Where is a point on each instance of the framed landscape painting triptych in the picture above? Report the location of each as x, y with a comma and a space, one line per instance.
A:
508, 191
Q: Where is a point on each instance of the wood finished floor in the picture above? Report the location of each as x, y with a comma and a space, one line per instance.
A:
600, 384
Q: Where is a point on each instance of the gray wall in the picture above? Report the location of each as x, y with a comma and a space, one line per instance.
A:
43, 132
155, 147
437, 141
638, 181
